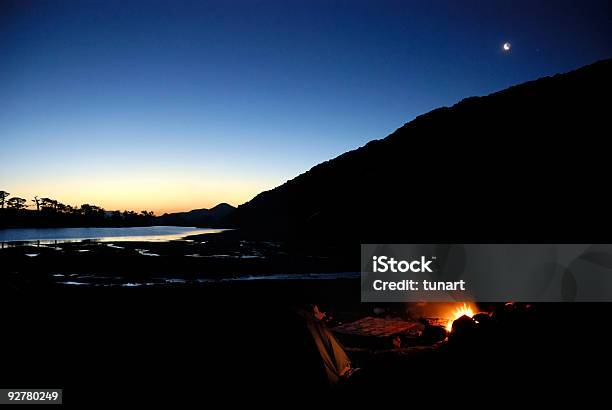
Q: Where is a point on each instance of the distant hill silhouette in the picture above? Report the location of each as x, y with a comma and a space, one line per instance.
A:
197, 217
529, 163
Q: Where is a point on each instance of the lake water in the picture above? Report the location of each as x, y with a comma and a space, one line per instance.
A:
146, 233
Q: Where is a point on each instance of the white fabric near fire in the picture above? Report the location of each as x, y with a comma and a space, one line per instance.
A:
335, 360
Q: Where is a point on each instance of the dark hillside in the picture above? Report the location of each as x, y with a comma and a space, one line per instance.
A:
529, 163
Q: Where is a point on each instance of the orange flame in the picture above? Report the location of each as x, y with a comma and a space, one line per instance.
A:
463, 310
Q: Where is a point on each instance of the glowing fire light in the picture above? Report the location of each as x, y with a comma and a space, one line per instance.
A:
463, 310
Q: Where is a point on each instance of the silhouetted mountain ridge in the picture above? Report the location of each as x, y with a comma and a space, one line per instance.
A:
524, 162
198, 217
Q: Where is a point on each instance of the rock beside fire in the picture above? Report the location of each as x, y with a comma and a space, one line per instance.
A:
463, 328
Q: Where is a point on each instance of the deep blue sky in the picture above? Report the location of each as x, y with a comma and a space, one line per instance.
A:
175, 105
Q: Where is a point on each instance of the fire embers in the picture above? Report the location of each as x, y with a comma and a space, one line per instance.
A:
432, 333
482, 325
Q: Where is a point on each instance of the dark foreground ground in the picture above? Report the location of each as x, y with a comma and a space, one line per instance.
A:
242, 341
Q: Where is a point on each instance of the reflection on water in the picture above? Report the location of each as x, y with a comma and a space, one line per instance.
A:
145, 252
298, 276
93, 281
145, 234
112, 245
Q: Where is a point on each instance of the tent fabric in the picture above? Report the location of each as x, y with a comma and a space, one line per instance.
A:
335, 360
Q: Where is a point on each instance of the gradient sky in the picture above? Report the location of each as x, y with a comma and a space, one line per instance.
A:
177, 105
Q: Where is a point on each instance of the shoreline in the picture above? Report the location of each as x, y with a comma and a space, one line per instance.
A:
194, 260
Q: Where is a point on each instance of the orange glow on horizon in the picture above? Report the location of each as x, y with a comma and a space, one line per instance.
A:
160, 195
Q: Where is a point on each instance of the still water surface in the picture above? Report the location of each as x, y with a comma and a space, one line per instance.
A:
141, 233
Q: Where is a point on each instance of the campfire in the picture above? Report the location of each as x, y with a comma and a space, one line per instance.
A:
463, 310
429, 325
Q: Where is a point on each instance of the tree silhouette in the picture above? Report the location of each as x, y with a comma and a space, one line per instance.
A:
92, 210
48, 204
52, 213
3, 196
16, 203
